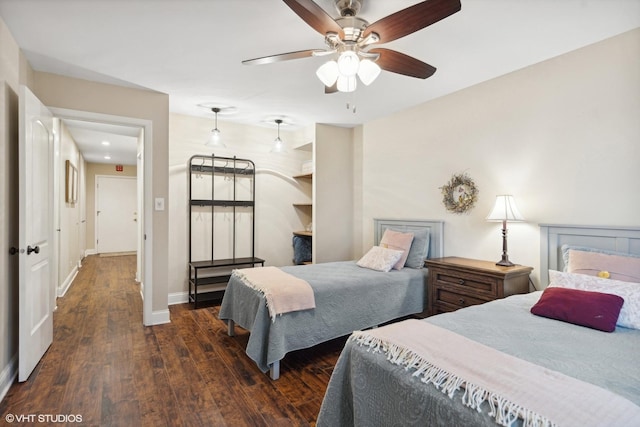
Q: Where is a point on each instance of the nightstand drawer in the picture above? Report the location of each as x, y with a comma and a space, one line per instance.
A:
456, 299
472, 282
460, 282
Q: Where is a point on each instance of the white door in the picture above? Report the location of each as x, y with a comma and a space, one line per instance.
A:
35, 154
116, 210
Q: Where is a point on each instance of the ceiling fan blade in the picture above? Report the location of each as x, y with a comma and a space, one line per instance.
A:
315, 16
396, 62
331, 89
412, 19
283, 57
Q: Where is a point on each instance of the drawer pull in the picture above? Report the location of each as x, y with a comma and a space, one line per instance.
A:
461, 301
461, 281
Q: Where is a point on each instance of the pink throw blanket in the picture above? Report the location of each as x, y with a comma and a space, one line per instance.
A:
283, 292
513, 388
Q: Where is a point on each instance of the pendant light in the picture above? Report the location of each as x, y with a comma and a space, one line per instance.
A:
215, 135
278, 144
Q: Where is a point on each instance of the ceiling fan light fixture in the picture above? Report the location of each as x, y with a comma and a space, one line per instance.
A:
328, 73
368, 71
348, 63
347, 84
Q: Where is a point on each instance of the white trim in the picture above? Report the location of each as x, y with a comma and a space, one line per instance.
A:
160, 317
64, 286
178, 297
88, 252
8, 376
148, 316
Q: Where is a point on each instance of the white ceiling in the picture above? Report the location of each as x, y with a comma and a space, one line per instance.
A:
192, 50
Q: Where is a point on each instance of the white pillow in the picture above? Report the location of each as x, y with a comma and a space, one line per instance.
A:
629, 314
380, 259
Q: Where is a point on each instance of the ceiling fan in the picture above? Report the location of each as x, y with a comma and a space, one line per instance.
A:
352, 40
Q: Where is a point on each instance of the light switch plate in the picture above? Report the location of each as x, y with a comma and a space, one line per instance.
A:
159, 203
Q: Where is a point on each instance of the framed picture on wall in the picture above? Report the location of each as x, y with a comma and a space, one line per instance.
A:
71, 183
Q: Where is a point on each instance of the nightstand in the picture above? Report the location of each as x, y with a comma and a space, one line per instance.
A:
460, 282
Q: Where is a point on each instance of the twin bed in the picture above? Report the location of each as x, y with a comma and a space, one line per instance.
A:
347, 298
498, 362
495, 363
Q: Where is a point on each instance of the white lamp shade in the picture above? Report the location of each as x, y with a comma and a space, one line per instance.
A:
278, 146
328, 73
214, 139
505, 209
368, 71
347, 84
348, 63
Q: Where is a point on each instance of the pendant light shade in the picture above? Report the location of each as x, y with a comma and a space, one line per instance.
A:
278, 145
215, 135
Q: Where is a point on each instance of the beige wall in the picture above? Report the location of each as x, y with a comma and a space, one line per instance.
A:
81, 95
276, 190
69, 225
333, 194
562, 136
94, 169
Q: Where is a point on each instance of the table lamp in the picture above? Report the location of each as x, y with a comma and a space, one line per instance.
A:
505, 210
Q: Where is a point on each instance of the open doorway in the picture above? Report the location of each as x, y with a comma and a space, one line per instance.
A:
140, 157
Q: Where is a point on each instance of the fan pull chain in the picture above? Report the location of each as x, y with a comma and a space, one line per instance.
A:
350, 108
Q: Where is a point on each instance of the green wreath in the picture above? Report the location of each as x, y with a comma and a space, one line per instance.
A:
460, 194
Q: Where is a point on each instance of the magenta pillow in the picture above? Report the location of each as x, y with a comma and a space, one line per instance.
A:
594, 310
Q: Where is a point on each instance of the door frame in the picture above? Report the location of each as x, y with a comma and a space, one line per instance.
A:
146, 177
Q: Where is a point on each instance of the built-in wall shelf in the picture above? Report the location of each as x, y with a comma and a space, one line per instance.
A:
303, 239
304, 176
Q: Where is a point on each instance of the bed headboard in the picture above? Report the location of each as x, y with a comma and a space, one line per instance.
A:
552, 237
436, 232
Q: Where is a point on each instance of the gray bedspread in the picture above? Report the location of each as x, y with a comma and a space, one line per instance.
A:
367, 390
348, 298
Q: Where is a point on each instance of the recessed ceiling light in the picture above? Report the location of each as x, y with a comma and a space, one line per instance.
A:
107, 157
106, 143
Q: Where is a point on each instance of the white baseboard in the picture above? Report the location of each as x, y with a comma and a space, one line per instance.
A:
8, 376
178, 297
160, 317
64, 286
88, 252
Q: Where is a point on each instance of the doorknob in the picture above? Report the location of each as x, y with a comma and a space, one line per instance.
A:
35, 249
13, 250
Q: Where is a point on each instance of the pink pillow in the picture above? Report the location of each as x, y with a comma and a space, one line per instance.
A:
594, 310
607, 266
398, 241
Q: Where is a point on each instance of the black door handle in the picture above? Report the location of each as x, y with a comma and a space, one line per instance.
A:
13, 250
35, 249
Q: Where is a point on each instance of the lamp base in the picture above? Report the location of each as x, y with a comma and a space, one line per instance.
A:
505, 263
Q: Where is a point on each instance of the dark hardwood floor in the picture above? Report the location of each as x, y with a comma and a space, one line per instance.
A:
107, 368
